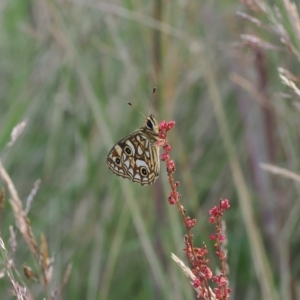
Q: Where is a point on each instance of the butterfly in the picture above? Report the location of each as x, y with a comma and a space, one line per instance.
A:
136, 156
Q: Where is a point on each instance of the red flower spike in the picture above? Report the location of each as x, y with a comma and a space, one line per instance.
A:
197, 256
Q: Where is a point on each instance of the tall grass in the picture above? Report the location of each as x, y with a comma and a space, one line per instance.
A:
226, 72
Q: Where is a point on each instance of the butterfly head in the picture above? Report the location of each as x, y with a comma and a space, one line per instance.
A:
151, 124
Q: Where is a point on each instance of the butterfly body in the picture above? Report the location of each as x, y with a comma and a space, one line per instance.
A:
136, 156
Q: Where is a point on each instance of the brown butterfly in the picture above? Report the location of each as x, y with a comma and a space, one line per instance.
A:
136, 156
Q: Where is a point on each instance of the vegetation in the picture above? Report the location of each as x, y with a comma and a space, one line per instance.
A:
225, 71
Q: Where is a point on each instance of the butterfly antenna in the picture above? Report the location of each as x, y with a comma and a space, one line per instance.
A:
129, 103
152, 99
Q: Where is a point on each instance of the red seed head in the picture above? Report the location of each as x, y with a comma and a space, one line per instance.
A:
212, 237
214, 211
171, 200
165, 156
212, 220
221, 238
224, 204
171, 166
170, 125
162, 125
196, 283
162, 135
167, 148
208, 273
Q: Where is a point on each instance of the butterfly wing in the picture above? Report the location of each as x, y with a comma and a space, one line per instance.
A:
135, 157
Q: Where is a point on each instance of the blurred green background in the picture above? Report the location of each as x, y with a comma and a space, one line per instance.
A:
70, 67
